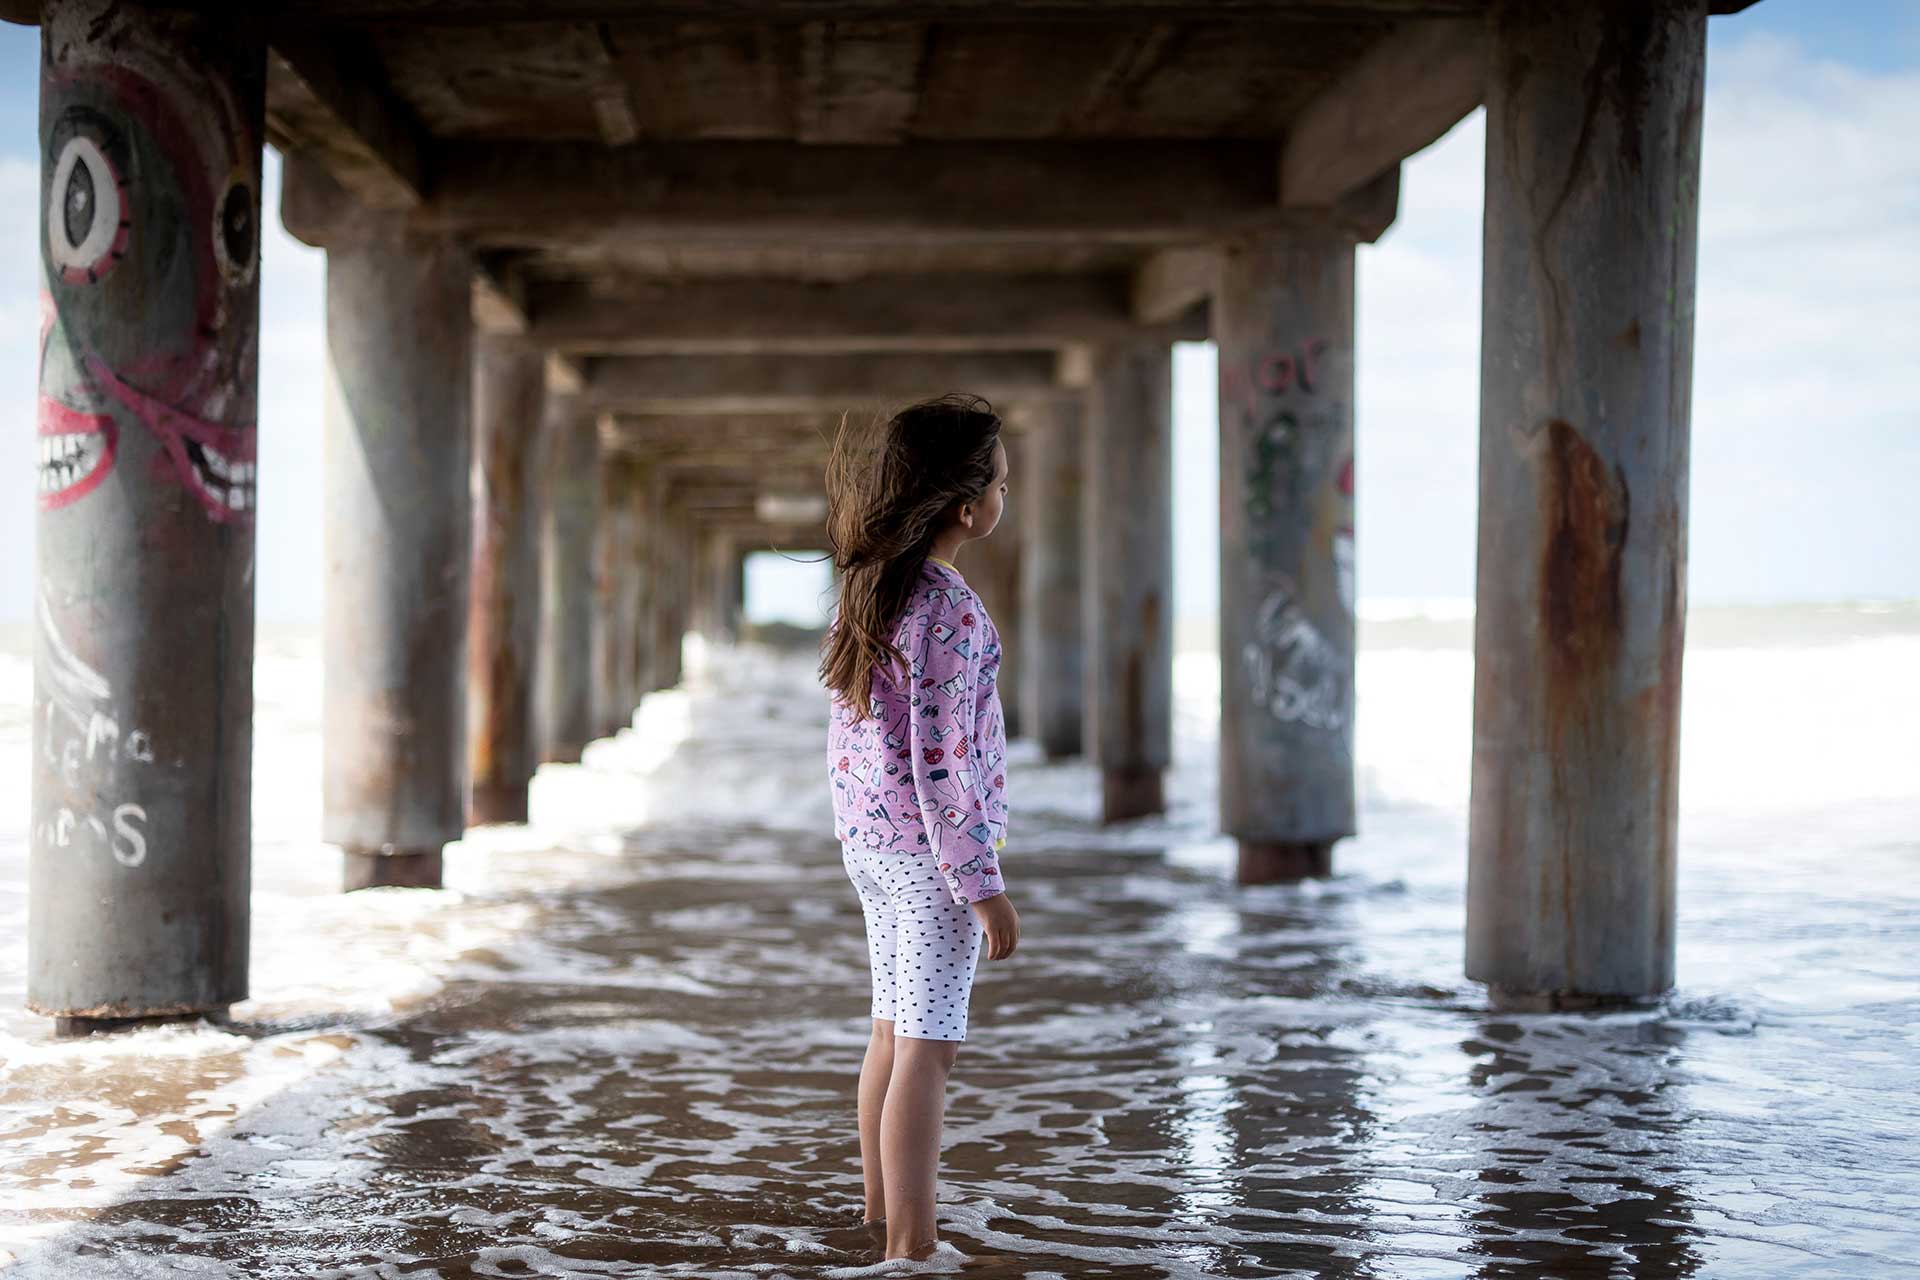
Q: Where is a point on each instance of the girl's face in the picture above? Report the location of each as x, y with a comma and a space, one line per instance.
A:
986, 511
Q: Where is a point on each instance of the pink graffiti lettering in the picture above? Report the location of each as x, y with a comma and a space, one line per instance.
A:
1278, 373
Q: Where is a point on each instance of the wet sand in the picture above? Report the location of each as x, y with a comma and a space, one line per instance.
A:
624, 1042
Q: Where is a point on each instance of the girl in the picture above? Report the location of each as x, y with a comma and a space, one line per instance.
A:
916, 749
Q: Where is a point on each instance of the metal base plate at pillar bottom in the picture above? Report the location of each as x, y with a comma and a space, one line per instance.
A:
416, 869
1282, 861
497, 804
1131, 793
74, 1028
1506, 1000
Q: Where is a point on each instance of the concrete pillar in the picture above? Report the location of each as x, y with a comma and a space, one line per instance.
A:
568, 521
1053, 675
614, 575
657, 606
703, 611
640, 586
509, 385
1283, 319
1129, 583
668, 593
734, 603
1593, 166
993, 570
398, 446
720, 570
150, 134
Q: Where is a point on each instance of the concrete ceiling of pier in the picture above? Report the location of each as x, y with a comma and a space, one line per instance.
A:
811, 177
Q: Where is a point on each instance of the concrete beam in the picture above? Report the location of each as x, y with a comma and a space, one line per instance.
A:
1174, 281
512, 194
895, 313
784, 470
735, 384
314, 208
742, 437
612, 102
859, 81
694, 488
566, 376
469, 12
792, 464
1401, 95
329, 95
750, 526
499, 299
790, 468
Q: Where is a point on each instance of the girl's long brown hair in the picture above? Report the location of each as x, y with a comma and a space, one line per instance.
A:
889, 488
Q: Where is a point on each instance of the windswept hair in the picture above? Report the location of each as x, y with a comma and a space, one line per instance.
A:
890, 486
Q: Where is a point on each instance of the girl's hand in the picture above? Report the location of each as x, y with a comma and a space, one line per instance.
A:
1002, 924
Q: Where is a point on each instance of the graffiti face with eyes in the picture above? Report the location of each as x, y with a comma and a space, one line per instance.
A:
150, 250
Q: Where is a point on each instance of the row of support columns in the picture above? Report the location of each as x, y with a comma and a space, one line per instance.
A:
1582, 540
438, 605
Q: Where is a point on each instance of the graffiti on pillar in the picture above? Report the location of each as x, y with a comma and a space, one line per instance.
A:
97, 758
1343, 534
149, 253
1297, 498
1297, 440
1294, 672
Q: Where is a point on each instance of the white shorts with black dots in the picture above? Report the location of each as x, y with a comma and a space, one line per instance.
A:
923, 946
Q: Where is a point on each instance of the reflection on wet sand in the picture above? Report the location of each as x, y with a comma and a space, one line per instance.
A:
641, 1053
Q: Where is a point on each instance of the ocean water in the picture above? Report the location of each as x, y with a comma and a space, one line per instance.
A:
623, 1040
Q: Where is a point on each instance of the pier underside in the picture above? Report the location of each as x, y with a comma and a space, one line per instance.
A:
606, 277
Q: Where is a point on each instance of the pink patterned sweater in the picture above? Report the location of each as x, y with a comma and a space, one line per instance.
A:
926, 772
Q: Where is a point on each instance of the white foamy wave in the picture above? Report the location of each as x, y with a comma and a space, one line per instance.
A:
943, 1259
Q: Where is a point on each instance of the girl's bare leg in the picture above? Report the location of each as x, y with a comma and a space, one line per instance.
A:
916, 1102
875, 1071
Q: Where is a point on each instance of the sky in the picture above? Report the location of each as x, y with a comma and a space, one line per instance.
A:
1805, 450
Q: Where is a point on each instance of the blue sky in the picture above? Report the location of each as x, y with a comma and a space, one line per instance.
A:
1806, 424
